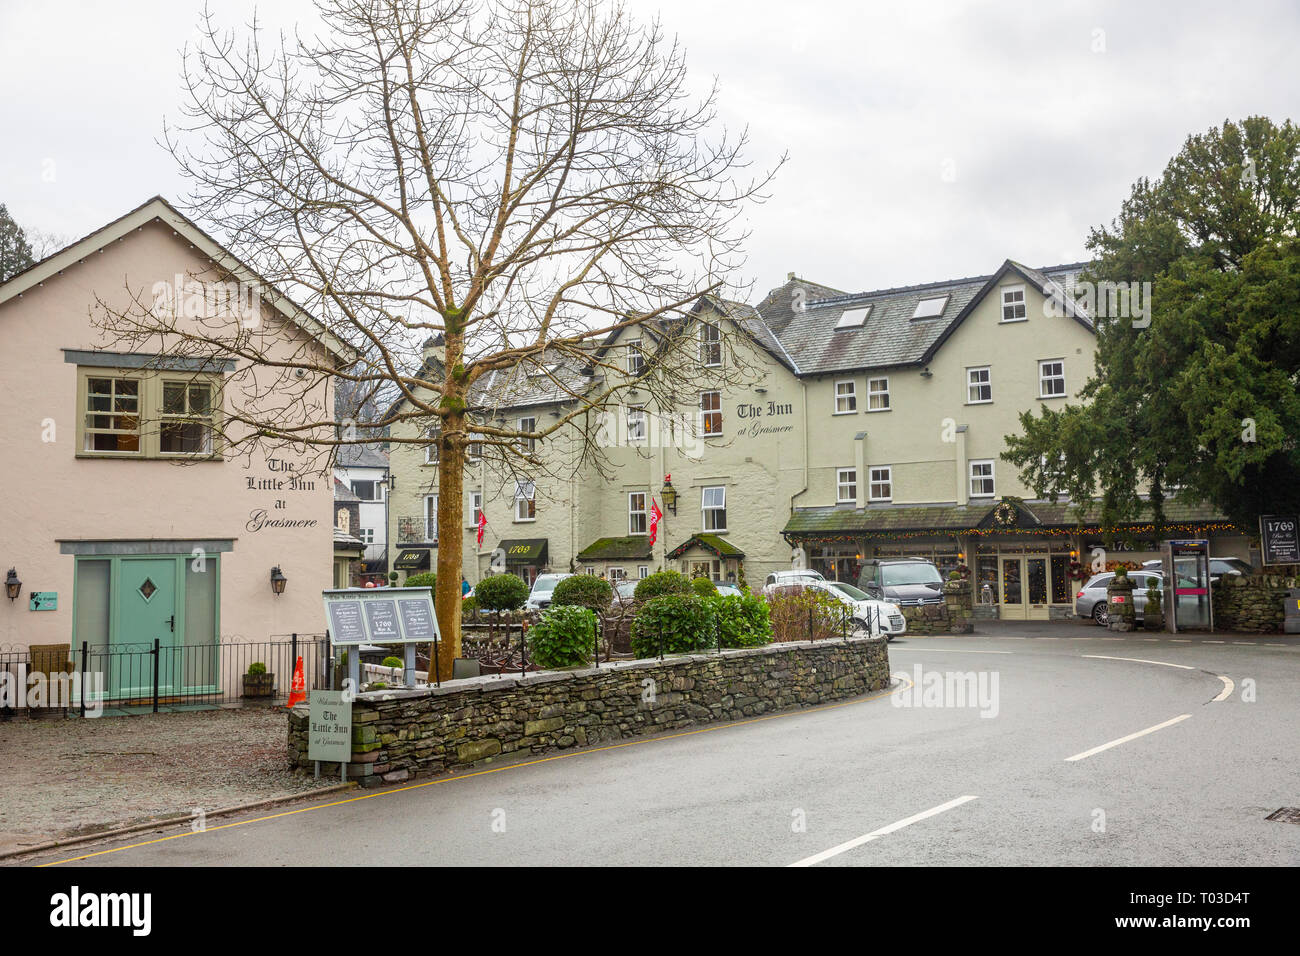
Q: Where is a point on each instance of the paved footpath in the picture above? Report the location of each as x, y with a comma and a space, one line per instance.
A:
1096, 749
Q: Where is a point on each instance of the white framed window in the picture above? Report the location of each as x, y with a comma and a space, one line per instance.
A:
1051, 378
713, 503
1013, 303
710, 345
853, 318
635, 358
430, 517
617, 574
431, 450
643, 571
846, 397
527, 445
881, 486
525, 501
475, 507
981, 479
367, 490
846, 485
367, 535
710, 413
637, 513
930, 308
878, 395
636, 423
979, 385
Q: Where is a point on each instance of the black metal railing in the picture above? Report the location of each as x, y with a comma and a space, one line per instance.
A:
156, 676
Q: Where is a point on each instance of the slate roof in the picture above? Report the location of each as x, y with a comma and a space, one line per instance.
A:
951, 519
630, 548
890, 336
342, 493
361, 456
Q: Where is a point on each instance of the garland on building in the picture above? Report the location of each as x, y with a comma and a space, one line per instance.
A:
1180, 529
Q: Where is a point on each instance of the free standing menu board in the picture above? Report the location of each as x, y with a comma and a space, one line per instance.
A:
380, 616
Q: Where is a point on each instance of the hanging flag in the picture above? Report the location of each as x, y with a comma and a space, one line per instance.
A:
655, 515
482, 525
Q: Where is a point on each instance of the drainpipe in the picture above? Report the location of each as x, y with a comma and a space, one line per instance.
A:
963, 487
860, 463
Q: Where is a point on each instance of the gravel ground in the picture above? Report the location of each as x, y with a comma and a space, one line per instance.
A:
66, 777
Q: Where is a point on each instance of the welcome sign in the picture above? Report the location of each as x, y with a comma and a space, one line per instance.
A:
380, 616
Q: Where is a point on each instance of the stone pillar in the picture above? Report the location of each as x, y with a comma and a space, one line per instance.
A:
1120, 612
957, 600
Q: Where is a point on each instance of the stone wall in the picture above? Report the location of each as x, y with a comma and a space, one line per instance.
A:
954, 616
402, 733
1250, 603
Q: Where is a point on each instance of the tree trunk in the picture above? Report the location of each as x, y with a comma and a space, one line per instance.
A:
451, 544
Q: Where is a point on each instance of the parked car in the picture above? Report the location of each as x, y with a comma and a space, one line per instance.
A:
886, 615
729, 590
907, 582
1218, 566
540, 596
1091, 599
779, 579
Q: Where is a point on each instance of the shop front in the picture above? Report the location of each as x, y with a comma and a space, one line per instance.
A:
525, 557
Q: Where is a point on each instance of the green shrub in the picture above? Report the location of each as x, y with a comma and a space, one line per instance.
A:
674, 622
741, 621
392, 662
793, 609
469, 606
501, 592
703, 587
425, 579
563, 637
583, 590
255, 668
661, 582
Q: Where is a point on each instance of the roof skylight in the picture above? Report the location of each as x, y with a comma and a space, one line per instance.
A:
930, 308
853, 318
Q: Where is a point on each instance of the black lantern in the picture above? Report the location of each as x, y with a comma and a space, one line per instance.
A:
278, 580
669, 494
13, 587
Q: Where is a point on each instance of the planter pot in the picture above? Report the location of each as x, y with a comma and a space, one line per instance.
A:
1153, 621
259, 685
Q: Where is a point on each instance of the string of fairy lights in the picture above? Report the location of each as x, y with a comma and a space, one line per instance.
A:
1124, 531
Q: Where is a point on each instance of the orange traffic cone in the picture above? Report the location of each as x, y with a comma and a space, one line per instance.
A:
298, 693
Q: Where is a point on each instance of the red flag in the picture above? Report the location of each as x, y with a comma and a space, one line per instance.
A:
655, 515
482, 524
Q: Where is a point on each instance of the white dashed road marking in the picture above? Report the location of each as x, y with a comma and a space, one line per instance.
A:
883, 831
1123, 740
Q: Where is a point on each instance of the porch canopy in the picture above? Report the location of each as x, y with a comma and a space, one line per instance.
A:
634, 547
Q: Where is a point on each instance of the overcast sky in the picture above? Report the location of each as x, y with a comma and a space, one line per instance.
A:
926, 140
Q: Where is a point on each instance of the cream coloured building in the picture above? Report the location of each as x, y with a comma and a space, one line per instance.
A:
873, 427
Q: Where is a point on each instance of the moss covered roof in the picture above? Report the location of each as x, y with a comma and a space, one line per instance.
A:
632, 547
709, 542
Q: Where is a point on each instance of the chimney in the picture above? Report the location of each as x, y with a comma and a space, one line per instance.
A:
789, 277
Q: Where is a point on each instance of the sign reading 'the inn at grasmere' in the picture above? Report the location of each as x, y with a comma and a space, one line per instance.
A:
381, 616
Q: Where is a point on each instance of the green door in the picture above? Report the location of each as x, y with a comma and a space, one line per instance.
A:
146, 611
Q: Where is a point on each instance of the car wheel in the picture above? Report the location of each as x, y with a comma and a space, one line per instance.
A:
1099, 613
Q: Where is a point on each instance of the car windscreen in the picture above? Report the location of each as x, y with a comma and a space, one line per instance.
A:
893, 575
545, 585
850, 591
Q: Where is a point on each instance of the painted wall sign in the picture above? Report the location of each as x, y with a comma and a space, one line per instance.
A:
380, 616
1279, 539
750, 413
44, 601
285, 479
329, 735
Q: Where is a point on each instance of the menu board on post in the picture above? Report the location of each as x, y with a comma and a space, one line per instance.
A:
381, 616
1279, 539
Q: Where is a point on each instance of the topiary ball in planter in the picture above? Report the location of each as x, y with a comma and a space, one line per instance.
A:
258, 684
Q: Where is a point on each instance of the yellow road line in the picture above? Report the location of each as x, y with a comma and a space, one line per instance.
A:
480, 773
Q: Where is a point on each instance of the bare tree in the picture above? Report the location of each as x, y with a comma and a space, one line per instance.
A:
523, 178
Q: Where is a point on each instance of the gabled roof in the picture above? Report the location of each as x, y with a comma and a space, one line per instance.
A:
634, 547
891, 336
159, 209
713, 543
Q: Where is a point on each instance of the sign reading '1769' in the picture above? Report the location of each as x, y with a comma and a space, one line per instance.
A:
380, 616
1279, 539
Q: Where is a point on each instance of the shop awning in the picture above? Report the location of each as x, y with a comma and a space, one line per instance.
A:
524, 550
413, 559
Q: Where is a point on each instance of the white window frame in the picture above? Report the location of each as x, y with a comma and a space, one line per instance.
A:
1022, 305
705, 508
431, 518
527, 445
637, 425
633, 512
972, 384
1043, 378
853, 318
475, 507
933, 312
635, 357
851, 395
874, 479
872, 396
709, 343
525, 491
642, 571
991, 478
705, 413
841, 483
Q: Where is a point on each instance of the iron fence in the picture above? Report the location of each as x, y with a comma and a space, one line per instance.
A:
144, 677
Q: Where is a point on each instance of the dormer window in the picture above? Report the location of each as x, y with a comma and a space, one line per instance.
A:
930, 308
853, 318
1013, 303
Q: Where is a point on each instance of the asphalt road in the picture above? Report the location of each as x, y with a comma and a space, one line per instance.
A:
866, 782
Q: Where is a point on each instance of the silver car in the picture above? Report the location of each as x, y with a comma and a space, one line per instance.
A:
1091, 598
